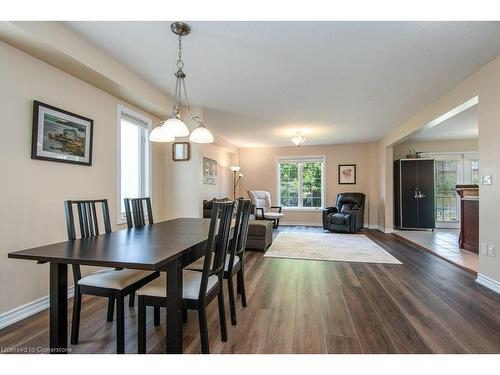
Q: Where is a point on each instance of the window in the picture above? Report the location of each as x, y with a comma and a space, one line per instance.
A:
301, 182
133, 130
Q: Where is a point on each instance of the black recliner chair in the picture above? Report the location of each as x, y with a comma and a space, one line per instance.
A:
348, 214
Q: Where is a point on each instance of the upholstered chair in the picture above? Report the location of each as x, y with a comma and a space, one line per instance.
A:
263, 207
347, 216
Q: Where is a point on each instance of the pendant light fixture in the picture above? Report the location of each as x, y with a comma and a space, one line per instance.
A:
174, 127
299, 139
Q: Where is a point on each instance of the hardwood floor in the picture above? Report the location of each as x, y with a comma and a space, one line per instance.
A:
425, 305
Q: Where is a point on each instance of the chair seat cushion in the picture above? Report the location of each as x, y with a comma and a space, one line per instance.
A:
340, 218
190, 286
273, 215
198, 265
113, 279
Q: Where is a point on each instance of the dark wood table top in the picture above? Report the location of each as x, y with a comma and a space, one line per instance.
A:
147, 248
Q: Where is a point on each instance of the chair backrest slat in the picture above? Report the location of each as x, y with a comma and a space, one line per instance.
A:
87, 221
217, 243
238, 242
135, 209
87, 217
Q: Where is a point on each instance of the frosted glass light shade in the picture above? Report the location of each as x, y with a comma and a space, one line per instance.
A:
159, 134
201, 135
176, 127
235, 168
298, 141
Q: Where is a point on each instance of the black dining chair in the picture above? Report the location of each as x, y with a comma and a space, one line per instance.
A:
199, 288
115, 284
137, 212
135, 209
234, 265
235, 260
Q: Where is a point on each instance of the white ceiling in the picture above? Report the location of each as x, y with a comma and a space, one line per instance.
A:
342, 81
461, 126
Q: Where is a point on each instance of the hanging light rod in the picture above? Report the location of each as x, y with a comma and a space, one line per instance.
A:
173, 126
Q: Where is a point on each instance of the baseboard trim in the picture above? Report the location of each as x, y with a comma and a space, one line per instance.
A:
488, 282
31, 308
301, 224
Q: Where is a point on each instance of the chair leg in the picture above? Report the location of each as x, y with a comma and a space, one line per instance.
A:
202, 316
111, 309
141, 326
222, 315
241, 283
75, 322
184, 315
232, 302
131, 299
120, 326
156, 316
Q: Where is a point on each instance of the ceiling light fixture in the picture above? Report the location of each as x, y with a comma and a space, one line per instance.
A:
174, 127
299, 139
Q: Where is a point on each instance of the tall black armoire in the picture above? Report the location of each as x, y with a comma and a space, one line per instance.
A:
414, 194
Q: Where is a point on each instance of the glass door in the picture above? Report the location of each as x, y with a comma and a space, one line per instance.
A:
448, 175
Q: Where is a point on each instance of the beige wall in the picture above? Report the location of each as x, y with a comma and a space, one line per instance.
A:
32, 191
484, 84
259, 168
455, 145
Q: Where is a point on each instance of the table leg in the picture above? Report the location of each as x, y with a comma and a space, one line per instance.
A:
58, 308
174, 308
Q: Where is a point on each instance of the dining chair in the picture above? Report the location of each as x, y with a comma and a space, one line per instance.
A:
137, 212
199, 288
134, 211
115, 284
234, 265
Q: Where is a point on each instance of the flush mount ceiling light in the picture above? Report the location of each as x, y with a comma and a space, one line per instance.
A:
299, 139
174, 127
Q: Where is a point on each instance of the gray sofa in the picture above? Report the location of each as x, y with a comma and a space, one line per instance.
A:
260, 232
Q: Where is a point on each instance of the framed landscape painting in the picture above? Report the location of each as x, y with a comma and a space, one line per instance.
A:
61, 136
209, 171
347, 174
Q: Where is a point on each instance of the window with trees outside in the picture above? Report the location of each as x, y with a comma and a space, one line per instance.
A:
301, 183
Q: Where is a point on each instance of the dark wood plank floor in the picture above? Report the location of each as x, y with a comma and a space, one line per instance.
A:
425, 305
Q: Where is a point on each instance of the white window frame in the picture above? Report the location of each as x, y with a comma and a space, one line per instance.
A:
301, 159
145, 164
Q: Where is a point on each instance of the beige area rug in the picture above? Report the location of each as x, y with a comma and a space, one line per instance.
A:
329, 246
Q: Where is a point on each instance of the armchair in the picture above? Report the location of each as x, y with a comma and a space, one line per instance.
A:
347, 216
263, 208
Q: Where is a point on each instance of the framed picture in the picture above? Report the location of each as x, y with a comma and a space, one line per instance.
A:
59, 135
347, 174
209, 171
181, 151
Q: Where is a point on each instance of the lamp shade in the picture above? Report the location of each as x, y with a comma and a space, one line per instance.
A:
235, 168
159, 134
201, 135
298, 141
176, 127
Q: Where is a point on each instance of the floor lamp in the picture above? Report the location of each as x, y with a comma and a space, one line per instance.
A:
236, 178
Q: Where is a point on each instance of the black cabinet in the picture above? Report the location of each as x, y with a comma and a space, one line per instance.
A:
414, 194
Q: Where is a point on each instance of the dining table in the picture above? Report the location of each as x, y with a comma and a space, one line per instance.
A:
166, 246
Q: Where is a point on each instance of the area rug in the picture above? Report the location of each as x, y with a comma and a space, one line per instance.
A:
337, 247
